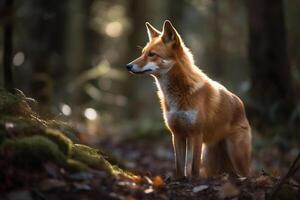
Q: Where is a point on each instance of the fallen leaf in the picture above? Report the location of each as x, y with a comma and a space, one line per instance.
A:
137, 179
149, 190
275, 172
158, 182
200, 188
264, 181
148, 180
130, 198
242, 178
228, 190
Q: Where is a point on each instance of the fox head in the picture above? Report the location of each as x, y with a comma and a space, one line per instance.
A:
161, 52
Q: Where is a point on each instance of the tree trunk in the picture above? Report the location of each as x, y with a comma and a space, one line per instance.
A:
137, 11
217, 49
75, 50
271, 77
8, 48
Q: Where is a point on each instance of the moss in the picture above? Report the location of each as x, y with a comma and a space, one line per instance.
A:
14, 104
66, 129
63, 142
75, 165
30, 141
32, 151
93, 158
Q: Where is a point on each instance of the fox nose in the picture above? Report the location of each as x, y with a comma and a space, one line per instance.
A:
129, 67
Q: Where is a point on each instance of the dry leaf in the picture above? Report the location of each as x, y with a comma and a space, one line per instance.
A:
148, 180
275, 172
130, 198
149, 190
137, 179
228, 190
158, 182
264, 181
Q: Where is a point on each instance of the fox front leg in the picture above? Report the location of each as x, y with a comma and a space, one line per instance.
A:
179, 144
196, 147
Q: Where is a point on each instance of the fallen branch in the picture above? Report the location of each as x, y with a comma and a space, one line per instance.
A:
292, 170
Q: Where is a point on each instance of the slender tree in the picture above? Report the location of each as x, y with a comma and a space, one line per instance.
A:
8, 47
270, 70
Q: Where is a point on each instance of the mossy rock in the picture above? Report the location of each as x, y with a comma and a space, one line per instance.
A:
31, 141
63, 142
65, 128
75, 165
93, 158
13, 104
22, 126
32, 152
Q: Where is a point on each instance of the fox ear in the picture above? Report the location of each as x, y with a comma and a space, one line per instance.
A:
170, 34
152, 32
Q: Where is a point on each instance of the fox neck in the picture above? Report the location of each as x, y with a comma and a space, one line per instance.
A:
178, 84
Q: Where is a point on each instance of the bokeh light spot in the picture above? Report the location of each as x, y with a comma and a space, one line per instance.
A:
18, 59
114, 29
66, 110
90, 113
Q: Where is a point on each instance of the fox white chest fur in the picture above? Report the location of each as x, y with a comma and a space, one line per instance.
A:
185, 117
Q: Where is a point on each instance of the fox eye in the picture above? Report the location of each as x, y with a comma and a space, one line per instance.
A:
151, 54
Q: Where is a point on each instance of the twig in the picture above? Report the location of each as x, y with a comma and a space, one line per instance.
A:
292, 170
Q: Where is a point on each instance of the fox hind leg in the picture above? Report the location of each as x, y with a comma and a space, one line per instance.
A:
238, 147
215, 159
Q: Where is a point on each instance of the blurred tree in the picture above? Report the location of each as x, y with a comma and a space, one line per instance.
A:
138, 12
8, 46
271, 77
75, 49
176, 12
39, 37
216, 48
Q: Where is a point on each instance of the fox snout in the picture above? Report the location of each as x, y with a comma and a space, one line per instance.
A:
129, 67
137, 69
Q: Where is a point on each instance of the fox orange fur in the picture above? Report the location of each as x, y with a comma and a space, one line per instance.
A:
205, 119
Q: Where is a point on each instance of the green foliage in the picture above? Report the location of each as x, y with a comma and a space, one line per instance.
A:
32, 151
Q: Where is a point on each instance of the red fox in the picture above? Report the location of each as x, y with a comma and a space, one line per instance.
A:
205, 119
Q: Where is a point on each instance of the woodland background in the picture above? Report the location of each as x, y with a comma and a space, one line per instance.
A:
70, 57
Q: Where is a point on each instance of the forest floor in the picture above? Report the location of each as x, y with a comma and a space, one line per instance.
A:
41, 160
152, 163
